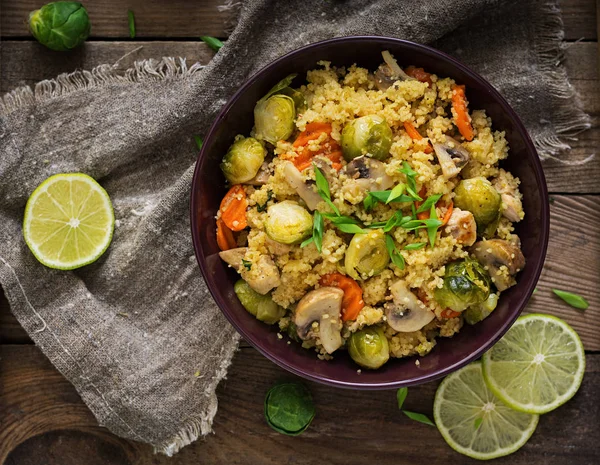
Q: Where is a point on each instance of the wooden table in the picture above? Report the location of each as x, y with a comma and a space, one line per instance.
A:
43, 420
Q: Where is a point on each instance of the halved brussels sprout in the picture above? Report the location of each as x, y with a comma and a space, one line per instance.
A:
479, 312
369, 347
367, 255
367, 135
274, 118
261, 306
478, 196
288, 223
243, 160
466, 283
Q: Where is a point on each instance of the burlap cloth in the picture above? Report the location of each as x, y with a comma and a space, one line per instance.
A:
137, 332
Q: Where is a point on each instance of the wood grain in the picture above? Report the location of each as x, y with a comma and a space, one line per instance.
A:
42, 416
572, 264
182, 18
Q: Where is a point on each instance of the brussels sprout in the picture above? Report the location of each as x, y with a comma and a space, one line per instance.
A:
274, 118
60, 26
478, 196
479, 312
243, 160
369, 347
261, 306
466, 283
367, 255
367, 135
288, 223
289, 408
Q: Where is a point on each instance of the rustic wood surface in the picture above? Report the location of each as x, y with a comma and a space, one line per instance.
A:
43, 420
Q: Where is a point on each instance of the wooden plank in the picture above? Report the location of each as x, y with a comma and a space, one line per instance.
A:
45, 422
181, 18
28, 62
153, 18
572, 264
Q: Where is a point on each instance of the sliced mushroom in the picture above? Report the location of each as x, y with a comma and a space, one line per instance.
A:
389, 72
263, 175
502, 259
452, 156
406, 313
462, 227
322, 305
369, 174
234, 257
305, 189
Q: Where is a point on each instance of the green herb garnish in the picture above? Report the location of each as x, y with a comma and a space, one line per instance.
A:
432, 230
431, 200
263, 207
384, 197
411, 181
289, 408
323, 189
573, 300
131, 20
415, 246
418, 417
199, 142
247, 264
212, 42
395, 255
317, 235
345, 224
401, 396
396, 192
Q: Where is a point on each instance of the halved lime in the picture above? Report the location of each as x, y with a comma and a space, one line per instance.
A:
69, 221
537, 366
474, 422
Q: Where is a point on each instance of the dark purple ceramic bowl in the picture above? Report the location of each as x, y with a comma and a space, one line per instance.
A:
208, 188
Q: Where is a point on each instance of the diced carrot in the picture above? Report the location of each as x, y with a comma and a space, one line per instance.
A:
311, 132
419, 74
225, 239
330, 148
233, 208
353, 302
462, 118
415, 135
422, 215
449, 313
448, 214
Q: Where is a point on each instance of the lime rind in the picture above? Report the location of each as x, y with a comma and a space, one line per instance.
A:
535, 385
58, 216
461, 400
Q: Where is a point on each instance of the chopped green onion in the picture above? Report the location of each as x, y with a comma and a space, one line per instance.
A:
573, 300
418, 417
317, 235
131, 20
432, 230
199, 142
345, 224
396, 192
385, 197
323, 189
431, 200
395, 255
401, 396
411, 182
415, 246
212, 42
247, 264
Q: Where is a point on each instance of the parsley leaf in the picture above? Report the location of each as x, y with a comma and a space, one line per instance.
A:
263, 207
247, 264
395, 255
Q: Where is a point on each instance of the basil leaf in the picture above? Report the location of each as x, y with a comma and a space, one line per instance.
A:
131, 21
415, 246
401, 396
573, 300
212, 42
396, 192
418, 417
478, 422
247, 264
397, 258
199, 142
432, 200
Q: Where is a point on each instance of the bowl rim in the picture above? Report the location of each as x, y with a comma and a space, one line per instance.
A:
540, 179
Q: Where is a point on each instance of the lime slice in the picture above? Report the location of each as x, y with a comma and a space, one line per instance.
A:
474, 422
537, 366
69, 221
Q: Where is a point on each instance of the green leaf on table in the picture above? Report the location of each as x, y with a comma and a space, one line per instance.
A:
573, 300
131, 21
212, 42
418, 417
401, 396
199, 142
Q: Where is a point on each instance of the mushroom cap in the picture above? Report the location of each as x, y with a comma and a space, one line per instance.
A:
369, 173
407, 313
323, 305
452, 156
494, 254
304, 190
